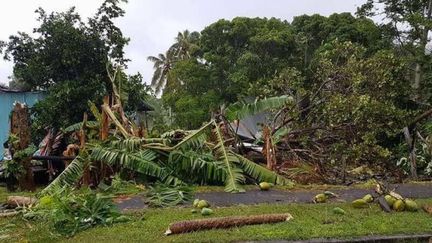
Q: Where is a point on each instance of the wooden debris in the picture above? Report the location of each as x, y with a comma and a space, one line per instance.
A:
428, 209
15, 201
383, 204
225, 222
396, 195
8, 214
71, 151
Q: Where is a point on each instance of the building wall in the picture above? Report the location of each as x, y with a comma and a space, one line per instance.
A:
7, 99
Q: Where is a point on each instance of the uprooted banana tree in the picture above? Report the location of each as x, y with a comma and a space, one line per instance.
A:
113, 143
201, 157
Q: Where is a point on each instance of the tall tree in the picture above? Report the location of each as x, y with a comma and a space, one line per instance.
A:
410, 22
162, 65
68, 58
185, 44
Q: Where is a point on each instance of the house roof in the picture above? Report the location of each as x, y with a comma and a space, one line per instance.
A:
5, 89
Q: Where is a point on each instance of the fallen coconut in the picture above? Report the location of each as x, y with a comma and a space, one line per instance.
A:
338, 210
206, 211
203, 204
399, 205
411, 206
195, 202
368, 198
320, 198
359, 203
390, 200
265, 186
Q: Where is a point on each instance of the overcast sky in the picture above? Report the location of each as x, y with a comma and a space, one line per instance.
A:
153, 24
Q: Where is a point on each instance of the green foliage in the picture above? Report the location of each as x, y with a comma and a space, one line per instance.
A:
193, 159
68, 58
423, 152
364, 94
254, 57
69, 176
14, 168
118, 186
69, 212
162, 195
408, 23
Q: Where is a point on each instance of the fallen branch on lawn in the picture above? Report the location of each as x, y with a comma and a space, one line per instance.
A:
225, 222
8, 214
17, 201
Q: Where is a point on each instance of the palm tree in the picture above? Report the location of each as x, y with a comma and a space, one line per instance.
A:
181, 50
163, 64
185, 44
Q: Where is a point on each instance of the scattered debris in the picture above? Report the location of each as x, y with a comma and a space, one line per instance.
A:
428, 209
385, 206
19, 201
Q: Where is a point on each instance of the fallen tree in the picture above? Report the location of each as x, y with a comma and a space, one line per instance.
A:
110, 145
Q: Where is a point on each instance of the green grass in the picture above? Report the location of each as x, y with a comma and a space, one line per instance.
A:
310, 221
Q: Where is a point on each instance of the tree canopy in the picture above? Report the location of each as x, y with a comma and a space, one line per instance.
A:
69, 58
254, 57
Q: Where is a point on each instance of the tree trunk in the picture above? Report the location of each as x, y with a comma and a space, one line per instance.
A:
423, 42
20, 126
416, 83
410, 140
225, 222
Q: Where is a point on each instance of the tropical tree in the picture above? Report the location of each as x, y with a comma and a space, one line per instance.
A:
409, 23
162, 65
196, 158
185, 44
68, 58
183, 48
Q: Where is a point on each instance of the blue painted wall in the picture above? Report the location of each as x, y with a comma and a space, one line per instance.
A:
7, 99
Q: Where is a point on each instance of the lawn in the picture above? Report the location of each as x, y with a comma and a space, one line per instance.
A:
310, 221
